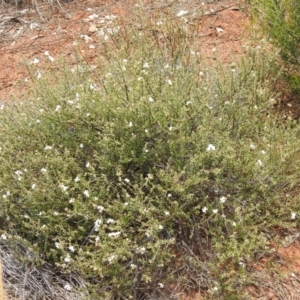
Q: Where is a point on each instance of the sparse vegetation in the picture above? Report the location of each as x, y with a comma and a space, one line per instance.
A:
150, 174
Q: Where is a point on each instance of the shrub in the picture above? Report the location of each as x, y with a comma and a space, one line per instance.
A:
151, 172
280, 20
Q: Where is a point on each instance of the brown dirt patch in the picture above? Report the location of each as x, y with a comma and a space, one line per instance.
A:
26, 37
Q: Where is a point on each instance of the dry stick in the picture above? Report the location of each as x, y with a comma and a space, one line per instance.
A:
2, 291
38, 10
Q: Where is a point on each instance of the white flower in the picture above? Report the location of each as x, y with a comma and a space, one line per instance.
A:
142, 250
259, 162
215, 211
293, 215
160, 227
145, 65
169, 82
63, 187
38, 121
188, 103
201, 73
204, 209
170, 128
48, 55
210, 147
38, 74
111, 258
57, 108
86, 193
55, 213
161, 285
130, 124
3, 236
81, 146
47, 148
67, 287
223, 199
252, 146
233, 223
18, 172
67, 259
87, 165
71, 200
76, 179
127, 180
110, 221
97, 224
181, 13
114, 234
100, 208
71, 248
167, 213
57, 245
132, 266
43, 170
151, 99
34, 61
169, 195
263, 152
93, 86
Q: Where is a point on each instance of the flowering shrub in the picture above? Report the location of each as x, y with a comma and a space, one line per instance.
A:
148, 170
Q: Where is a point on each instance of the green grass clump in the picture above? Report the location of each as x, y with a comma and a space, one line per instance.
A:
280, 21
150, 174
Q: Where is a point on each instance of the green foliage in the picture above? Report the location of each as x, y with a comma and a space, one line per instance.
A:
280, 20
149, 169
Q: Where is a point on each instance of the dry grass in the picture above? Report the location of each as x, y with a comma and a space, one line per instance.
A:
25, 281
2, 291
